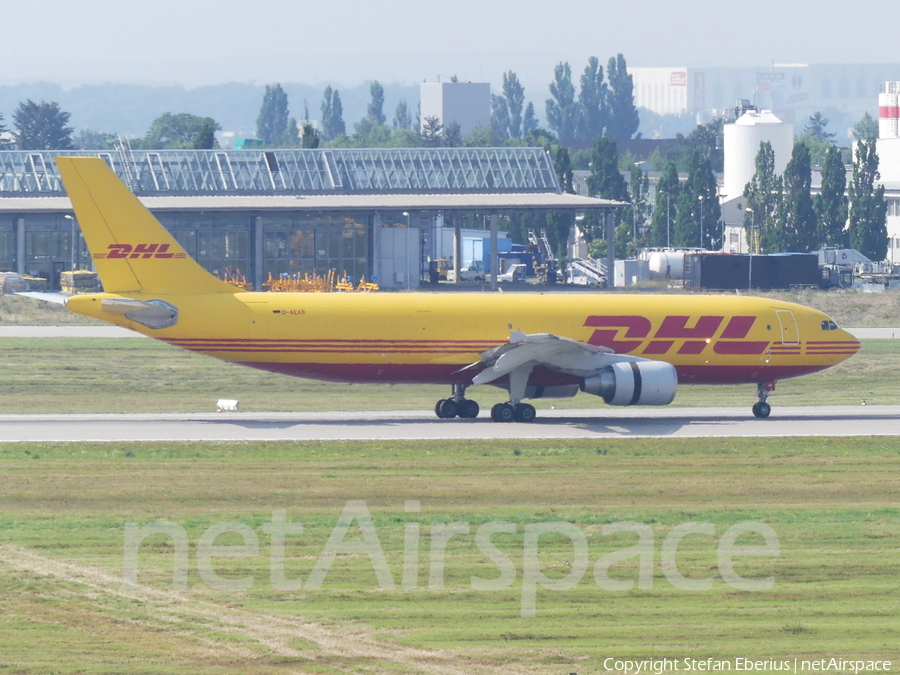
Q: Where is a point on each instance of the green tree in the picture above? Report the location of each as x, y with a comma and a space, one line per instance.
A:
763, 194
309, 136
818, 127
868, 207
605, 180
562, 111
795, 227
564, 173
696, 223
499, 118
665, 210
272, 123
592, 101
866, 128
4, 141
205, 138
432, 132
514, 93
453, 135
88, 139
376, 105
42, 126
639, 186
529, 120
332, 115
705, 139
831, 203
560, 224
177, 131
817, 147
292, 134
402, 118
623, 115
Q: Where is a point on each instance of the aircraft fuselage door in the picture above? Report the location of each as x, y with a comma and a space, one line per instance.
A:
789, 333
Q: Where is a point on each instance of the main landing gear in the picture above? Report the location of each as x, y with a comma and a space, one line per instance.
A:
762, 409
508, 412
457, 406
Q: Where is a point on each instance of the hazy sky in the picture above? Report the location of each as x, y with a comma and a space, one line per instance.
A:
193, 43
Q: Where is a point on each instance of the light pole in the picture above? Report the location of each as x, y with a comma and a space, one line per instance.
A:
750, 250
71, 242
668, 228
700, 197
406, 213
634, 209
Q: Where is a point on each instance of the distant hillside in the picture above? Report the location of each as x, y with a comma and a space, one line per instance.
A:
130, 109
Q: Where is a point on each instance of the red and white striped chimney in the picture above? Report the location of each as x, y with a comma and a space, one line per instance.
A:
889, 111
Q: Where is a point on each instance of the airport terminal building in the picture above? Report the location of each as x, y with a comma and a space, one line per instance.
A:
377, 212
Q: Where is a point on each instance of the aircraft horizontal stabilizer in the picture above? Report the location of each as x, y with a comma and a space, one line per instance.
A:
151, 313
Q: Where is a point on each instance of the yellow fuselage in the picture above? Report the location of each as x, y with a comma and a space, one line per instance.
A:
429, 337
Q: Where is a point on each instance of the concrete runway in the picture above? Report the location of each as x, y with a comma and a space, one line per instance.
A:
599, 424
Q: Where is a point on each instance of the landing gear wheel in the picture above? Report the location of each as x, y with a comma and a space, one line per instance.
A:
503, 412
468, 409
761, 409
525, 412
437, 408
447, 409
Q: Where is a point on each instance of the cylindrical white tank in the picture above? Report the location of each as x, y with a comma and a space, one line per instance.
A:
889, 111
742, 141
666, 265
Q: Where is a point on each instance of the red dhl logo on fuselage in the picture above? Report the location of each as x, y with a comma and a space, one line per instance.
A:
695, 337
121, 251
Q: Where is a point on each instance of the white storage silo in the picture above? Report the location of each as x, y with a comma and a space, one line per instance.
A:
741, 146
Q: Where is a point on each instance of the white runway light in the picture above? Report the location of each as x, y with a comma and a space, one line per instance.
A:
228, 405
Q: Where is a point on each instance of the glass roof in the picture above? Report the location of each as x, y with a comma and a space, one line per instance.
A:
319, 171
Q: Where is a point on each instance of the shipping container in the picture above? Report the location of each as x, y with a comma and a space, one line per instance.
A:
722, 271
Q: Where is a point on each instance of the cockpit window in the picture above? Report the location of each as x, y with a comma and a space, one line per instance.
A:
829, 325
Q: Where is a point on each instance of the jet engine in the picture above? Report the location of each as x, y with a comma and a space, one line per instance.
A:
634, 383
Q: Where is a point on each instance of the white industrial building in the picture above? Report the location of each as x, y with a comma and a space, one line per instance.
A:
466, 103
662, 90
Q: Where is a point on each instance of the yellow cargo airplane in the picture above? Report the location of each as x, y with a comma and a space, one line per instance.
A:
626, 349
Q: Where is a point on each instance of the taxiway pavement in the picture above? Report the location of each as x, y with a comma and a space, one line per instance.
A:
550, 424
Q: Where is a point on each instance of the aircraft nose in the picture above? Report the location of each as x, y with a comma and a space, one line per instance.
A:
851, 343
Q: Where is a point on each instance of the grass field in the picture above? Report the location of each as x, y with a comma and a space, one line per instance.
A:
831, 502
135, 374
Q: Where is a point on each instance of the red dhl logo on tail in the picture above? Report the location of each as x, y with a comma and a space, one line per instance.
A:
121, 251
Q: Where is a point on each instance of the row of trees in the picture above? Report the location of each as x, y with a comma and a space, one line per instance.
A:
782, 215
601, 108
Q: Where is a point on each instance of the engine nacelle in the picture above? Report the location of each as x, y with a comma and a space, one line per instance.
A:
634, 383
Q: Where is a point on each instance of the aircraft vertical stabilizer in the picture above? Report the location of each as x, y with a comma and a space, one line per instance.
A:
131, 249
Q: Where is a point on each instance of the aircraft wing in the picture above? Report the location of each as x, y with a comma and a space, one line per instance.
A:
562, 354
